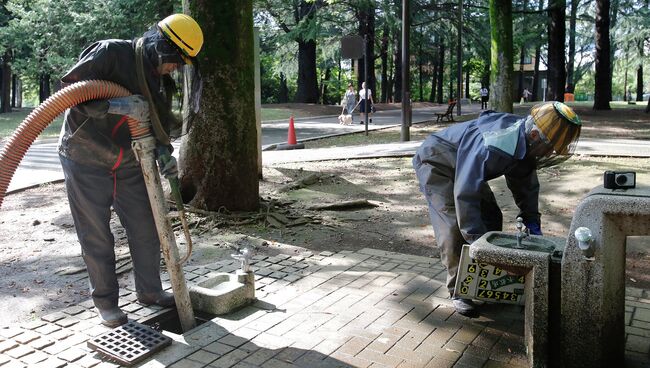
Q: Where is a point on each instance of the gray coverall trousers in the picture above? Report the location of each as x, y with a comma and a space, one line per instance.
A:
92, 192
442, 212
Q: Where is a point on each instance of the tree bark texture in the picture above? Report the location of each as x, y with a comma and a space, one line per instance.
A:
603, 78
572, 45
283, 96
307, 91
384, 65
5, 103
219, 162
366, 18
44, 88
639, 74
397, 57
441, 68
556, 33
502, 55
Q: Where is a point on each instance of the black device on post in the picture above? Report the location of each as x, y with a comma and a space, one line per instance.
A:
619, 179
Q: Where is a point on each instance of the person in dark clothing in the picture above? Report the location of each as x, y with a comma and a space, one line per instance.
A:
453, 168
100, 167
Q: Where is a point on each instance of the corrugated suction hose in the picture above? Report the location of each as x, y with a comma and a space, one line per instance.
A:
74, 94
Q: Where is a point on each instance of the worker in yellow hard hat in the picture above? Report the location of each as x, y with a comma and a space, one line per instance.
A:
453, 167
100, 168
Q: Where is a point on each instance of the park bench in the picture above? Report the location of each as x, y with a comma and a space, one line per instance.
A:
449, 114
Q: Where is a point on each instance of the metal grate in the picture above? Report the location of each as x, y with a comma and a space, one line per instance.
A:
129, 343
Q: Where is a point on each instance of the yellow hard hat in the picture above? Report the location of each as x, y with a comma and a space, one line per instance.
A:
559, 124
183, 31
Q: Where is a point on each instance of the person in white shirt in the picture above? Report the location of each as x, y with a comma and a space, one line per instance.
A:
365, 108
484, 97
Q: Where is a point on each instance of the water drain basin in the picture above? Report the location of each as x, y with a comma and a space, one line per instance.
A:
130, 343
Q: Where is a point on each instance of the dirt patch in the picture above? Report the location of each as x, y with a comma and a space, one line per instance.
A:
42, 270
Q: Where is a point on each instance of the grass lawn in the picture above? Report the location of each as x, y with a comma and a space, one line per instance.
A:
10, 121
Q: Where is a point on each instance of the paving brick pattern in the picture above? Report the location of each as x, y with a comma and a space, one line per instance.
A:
348, 309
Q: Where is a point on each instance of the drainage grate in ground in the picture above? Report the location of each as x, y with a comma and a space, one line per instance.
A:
129, 343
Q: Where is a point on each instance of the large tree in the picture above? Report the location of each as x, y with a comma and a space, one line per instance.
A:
502, 55
556, 34
219, 159
603, 77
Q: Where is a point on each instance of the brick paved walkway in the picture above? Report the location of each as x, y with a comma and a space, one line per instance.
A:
347, 309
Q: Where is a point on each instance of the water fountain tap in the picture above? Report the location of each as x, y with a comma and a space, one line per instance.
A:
521, 233
244, 256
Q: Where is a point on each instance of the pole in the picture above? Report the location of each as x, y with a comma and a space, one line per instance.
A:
144, 150
405, 135
365, 79
459, 54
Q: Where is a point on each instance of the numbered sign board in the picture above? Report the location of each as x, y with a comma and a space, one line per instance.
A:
487, 282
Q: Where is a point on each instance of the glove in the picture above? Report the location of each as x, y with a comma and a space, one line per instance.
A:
534, 228
134, 106
170, 169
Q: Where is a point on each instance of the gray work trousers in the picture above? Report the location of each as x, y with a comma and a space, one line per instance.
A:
442, 212
91, 193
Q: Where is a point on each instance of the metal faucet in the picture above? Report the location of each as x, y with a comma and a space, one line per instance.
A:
244, 256
521, 233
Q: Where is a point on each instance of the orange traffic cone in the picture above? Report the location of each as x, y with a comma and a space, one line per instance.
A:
292, 143
291, 135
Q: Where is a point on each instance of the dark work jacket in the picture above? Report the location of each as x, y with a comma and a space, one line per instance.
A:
90, 136
461, 154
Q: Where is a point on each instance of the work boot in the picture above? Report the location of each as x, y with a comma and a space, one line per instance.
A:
466, 307
112, 317
161, 298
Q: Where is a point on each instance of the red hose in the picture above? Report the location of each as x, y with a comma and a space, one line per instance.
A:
23, 137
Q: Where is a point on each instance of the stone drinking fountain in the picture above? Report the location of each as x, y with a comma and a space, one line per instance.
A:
574, 288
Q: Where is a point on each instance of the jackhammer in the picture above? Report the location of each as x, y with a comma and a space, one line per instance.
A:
144, 146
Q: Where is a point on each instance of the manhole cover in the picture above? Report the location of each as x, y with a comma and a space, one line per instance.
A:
129, 343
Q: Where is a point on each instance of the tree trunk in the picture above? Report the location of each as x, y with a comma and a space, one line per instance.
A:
434, 76
639, 74
307, 91
366, 18
5, 102
283, 93
451, 71
13, 90
420, 67
384, 65
441, 69
323, 83
603, 78
556, 34
467, 82
538, 52
522, 55
613, 18
572, 46
44, 89
397, 75
17, 93
219, 162
502, 55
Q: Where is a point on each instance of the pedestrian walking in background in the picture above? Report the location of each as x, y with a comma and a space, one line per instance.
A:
526, 95
485, 96
350, 100
365, 107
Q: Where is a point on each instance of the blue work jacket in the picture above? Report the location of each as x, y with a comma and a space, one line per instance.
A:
470, 154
